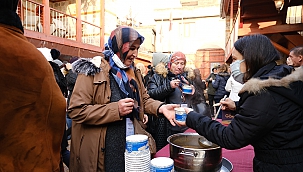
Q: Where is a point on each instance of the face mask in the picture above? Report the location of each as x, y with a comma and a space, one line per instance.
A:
235, 71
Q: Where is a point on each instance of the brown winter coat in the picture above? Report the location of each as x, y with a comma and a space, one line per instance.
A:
91, 111
32, 108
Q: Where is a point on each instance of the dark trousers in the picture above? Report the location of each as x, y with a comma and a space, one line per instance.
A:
211, 103
65, 154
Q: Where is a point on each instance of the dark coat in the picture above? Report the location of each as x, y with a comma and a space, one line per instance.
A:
200, 86
159, 85
197, 101
210, 89
60, 79
219, 84
269, 117
71, 78
148, 76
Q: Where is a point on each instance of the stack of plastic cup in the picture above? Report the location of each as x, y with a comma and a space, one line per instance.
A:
162, 164
137, 154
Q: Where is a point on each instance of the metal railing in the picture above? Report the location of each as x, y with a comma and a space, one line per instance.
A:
61, 24
295, 15
30, 14
91, 34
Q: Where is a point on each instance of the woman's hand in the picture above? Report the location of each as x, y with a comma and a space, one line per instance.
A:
169, 112
125, 106
145, 119
228, 104
68, 66
187, 110
187, 82
184, 80
174, 83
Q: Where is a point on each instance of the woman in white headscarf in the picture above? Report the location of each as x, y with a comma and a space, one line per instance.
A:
109, 98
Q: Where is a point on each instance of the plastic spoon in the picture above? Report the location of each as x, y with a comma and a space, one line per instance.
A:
219, 108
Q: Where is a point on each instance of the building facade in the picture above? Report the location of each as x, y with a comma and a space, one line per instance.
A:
74, 27
192, 28
280, 20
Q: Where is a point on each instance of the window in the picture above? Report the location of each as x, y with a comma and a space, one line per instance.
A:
188, 29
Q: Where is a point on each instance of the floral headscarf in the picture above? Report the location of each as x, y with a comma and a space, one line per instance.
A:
118, 45
121, 39
176, 56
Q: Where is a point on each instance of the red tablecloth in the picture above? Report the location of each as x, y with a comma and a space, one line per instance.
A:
241, 158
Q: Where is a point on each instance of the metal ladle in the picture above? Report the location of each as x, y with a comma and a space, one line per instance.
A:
204, 142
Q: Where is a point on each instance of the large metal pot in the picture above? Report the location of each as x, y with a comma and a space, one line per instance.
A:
190, 156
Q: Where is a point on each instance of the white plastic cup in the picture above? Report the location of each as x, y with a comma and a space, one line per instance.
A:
137, 142
180, 114
162, 164
187, 89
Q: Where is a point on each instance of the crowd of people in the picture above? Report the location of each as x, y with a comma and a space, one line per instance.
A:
98, 102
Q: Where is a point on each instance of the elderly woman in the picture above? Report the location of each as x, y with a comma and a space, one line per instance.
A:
166, 85
269, 114
108, 97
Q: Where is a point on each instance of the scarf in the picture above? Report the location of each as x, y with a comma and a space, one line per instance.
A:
116, 50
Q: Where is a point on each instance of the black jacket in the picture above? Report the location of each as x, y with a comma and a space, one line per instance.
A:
219, 84
269, 117
210, 89
71, 78
60, 79
159, 85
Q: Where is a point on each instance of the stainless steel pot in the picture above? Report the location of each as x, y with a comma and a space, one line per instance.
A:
190, 156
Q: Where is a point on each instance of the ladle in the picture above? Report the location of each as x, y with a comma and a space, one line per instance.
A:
204, 142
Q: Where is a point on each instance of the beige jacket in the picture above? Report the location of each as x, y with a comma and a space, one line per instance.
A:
91, 111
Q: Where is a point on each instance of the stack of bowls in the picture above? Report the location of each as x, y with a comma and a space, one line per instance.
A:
137, 154
162, 164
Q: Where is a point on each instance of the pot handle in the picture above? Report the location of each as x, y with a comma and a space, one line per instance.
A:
193, 154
